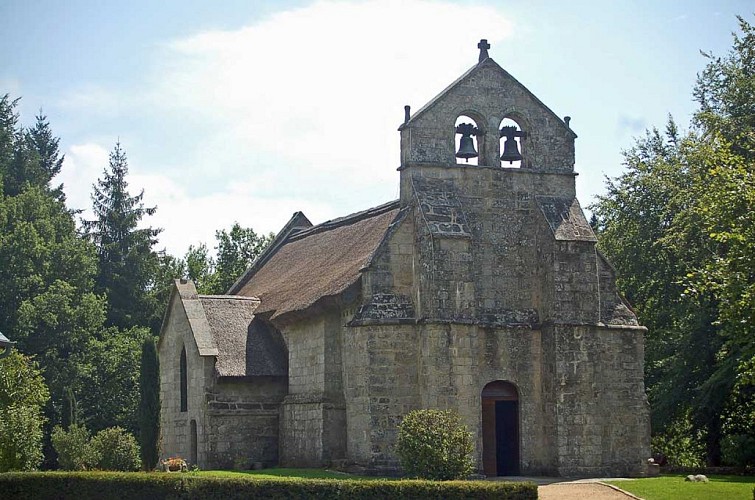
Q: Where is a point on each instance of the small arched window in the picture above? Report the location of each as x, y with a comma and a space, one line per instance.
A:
467, 141
184, 382
511, 143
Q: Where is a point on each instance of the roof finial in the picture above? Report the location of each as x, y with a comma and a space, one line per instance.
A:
483, 46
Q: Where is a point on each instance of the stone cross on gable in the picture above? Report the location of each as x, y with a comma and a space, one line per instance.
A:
483, 46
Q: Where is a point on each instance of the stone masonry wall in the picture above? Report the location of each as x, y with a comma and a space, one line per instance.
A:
488, 95
313, 414
492, 275
601, 408
380, 387
456, 363
175, 424
242, 421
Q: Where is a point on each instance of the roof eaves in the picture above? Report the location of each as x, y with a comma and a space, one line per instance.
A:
296, 223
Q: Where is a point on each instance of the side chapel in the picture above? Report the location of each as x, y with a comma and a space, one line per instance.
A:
480, 289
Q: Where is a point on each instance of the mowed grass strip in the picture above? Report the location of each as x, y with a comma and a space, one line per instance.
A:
674, 487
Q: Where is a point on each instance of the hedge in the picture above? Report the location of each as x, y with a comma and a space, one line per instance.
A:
156, 485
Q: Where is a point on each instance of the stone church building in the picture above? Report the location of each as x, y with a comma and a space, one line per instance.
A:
480, 289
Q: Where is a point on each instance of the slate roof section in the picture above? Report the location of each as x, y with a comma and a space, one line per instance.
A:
246, 346
565, 218
322, 261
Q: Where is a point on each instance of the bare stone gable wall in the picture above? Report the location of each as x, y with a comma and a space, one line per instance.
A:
236, 419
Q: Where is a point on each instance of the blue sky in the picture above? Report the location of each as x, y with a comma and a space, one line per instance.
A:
248, 111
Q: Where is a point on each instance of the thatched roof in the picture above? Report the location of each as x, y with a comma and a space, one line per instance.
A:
246, 347
322, 261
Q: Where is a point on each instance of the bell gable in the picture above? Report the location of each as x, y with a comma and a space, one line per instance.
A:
491, 98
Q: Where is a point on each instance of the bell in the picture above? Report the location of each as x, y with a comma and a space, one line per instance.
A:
466, 148
510, 151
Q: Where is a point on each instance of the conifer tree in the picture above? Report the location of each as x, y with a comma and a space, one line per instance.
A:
49, 160
68, 415
149, 405
127, 260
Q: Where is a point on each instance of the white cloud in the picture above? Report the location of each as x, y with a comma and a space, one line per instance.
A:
83, 164
298, 111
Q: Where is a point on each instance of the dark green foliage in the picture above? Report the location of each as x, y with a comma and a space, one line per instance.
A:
127, 261
679, 228
68, 414
114, 449
112, 367
236, 250
149, 405
72, 447
434, 444
23, 395
122, 486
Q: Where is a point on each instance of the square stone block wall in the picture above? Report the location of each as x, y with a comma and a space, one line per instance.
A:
243, 422
380, 387
602, 410
458, 361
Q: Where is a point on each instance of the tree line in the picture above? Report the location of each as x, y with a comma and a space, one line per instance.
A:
679, 225
82, 299
85, 301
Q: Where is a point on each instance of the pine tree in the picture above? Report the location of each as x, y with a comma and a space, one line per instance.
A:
49, 160
127, 259
149, 405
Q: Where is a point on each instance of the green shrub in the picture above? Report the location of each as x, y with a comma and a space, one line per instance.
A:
738, 449
434, 444
23, 394
72, 447
114, 449
156, 485
681, 443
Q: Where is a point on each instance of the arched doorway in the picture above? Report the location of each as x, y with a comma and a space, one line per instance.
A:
500, 429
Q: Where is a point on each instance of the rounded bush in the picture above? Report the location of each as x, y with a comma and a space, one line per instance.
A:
115, 449
434, 444
72, 447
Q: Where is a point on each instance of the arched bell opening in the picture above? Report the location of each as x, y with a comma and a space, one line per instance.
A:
467, 141
500, 429
511, 137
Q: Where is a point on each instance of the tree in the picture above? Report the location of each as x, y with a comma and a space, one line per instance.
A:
49, 161
678, 226
68, 415
200, 268
149, 405
237, 249
112, 367
127, 261
23, 395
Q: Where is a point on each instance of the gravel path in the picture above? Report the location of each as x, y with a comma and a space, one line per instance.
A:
580, 491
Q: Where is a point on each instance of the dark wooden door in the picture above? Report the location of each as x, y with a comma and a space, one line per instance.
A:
500, 429
507, 438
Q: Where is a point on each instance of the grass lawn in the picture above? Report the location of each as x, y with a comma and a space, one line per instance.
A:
675, 488
283, 473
